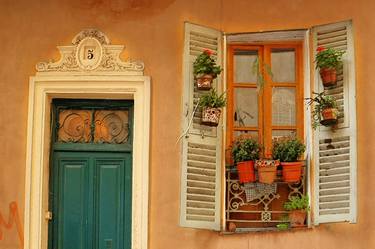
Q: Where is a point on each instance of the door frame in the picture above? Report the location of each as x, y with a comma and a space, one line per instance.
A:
42, 89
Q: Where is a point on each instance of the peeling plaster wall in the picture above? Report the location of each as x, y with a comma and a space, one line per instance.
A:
153, 32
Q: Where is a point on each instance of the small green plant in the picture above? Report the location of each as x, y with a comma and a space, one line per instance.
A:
205, 64
287, 149
297, 203
282, 226
321, 102
328, 58
245, 149
212, 99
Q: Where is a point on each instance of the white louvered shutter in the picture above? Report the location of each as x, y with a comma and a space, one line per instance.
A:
202, 146
335, 152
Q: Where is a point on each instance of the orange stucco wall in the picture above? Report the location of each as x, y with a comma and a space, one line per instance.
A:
152, 31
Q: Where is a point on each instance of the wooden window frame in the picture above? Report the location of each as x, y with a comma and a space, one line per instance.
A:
265, 126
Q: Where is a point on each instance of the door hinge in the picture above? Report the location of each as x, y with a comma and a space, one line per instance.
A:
48, 215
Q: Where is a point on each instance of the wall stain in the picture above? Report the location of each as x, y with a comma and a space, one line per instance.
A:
129, 9
13, 219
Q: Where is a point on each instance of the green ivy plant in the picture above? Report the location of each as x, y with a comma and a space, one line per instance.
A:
297, 203
321, 102
245, 149
212, 99
287, 150
328, 58
205, 64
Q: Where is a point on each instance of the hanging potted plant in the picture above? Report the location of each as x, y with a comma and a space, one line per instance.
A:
266, 170
211, 104
288, 151
205, 70
298, 207
325, 110
328, 60
245, 151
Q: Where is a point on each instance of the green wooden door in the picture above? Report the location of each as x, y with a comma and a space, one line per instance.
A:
91, 183
92, 200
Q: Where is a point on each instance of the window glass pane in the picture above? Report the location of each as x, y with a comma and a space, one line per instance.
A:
243, 66
283, 64
74, 126
283, 133
283, 106
245, 107
252, 134
111, 126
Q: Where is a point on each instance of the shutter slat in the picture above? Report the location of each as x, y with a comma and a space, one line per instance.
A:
335, 185
201, 147
200, 204
335, 211
203, 185
335, 205
334, 198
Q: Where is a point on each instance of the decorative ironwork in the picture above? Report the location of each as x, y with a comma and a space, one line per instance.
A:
74, 126
111, 126
266, 216
258, 205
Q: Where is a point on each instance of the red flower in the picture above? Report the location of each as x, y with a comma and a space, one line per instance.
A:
208, 52
320, 49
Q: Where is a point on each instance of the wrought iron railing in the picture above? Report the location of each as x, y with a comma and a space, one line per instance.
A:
257, 206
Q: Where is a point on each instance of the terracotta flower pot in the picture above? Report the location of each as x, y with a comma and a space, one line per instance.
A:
329, 76
266, 170
204, 82
329, 116
267, 174
297, 218
292, 171
210, 116
246, 172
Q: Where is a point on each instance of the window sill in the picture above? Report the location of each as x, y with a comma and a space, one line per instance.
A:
264, 230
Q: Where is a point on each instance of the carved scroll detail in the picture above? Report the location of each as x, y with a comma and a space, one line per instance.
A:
75, 58
74, 126
111, 127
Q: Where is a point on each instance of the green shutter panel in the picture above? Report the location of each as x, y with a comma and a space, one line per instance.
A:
201, 145
335, 152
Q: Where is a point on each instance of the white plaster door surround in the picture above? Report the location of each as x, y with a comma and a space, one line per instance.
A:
90, 68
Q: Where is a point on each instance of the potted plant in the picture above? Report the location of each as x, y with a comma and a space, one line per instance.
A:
205, 70
325, 110
245, 151
288, 151
211, 103
328, 60
298, 207
266, 170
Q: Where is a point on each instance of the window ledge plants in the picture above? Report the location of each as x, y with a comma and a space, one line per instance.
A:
245, 151
325, 110
288, 151
211, 104
328, 60
298, 207
205, 70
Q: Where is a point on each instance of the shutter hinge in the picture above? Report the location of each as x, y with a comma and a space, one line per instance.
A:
48, 215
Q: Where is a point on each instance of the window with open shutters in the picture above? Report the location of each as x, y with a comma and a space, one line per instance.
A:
204, 178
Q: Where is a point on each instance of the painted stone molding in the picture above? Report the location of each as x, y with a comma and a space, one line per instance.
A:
91, 51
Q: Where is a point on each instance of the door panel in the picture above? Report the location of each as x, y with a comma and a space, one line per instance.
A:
92, 200
73, 204
109, 203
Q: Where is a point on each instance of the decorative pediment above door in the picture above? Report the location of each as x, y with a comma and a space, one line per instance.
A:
91, 51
